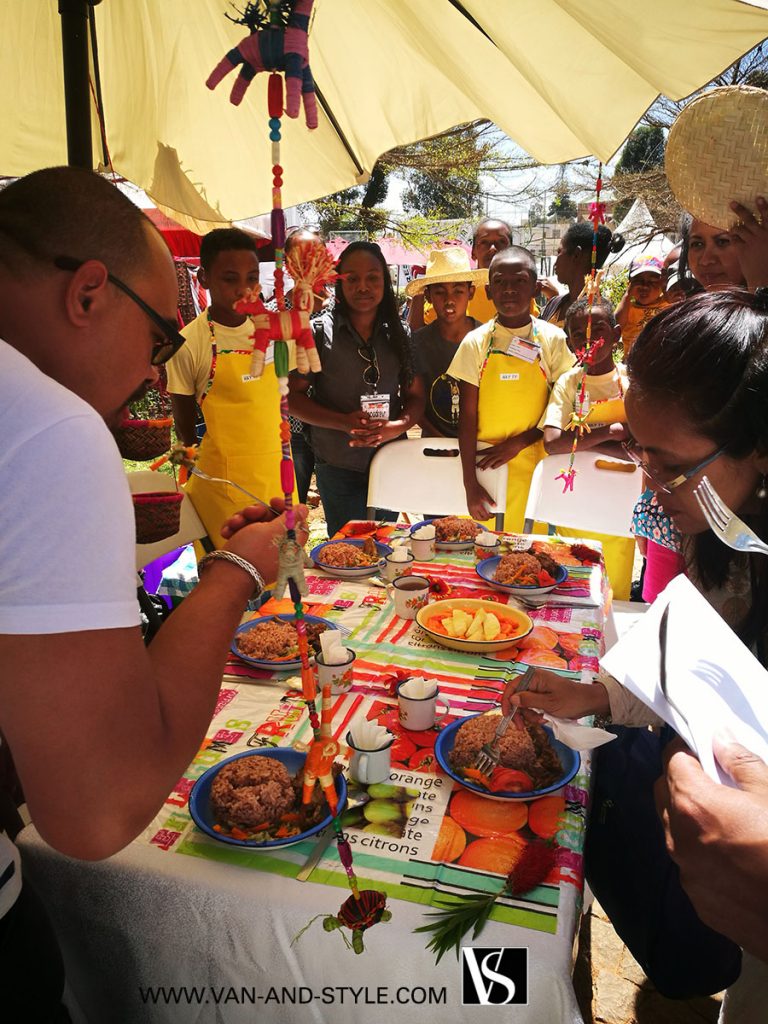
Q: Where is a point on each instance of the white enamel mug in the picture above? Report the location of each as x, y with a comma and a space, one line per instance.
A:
369, 766
394, 567
339, 676
418, 713
410, 593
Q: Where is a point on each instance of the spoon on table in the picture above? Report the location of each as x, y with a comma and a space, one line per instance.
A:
354, 799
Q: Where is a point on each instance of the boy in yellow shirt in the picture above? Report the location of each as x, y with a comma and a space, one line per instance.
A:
506, 369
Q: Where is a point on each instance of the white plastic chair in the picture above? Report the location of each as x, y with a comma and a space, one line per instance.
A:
601, 501
190, 527
415, 475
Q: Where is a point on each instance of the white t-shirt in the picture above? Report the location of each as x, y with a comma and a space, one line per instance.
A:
67, 533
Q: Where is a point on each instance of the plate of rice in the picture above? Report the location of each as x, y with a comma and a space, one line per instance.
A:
253, 799
527, 573
452, 533
271, 642
531, 752
350, 559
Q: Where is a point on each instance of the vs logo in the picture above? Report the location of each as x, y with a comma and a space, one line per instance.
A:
494, 976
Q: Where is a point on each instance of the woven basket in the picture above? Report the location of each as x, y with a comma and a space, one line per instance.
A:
717, 151
141, 440
158, 515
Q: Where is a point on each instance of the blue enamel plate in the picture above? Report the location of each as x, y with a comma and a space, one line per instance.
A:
449, 545
349, 572
569, 759
200, 798
487, 569
294, 664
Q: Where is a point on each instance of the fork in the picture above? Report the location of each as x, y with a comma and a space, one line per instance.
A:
731, 530
489, 754
221, 480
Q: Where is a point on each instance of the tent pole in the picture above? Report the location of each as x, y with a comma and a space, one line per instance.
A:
74, 45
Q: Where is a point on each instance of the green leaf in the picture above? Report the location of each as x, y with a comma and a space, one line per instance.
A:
453, 922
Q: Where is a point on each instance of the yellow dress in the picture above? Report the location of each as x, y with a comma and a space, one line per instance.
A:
637, 318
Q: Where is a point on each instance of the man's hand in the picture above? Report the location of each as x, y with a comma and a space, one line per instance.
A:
479, 501
751, 238
255, 532
719, 838
559, 697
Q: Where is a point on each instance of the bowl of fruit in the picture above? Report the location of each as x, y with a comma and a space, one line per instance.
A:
470, 624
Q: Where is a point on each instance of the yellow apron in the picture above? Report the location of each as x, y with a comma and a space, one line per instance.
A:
513, 396
241, 441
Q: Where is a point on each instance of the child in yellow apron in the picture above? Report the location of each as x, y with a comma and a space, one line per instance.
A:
605, 384
506, 370
242, 438
242, 414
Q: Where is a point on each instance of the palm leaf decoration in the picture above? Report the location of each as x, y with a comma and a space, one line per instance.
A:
453, 922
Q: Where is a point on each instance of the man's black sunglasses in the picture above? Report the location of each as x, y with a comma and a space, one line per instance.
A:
162, 350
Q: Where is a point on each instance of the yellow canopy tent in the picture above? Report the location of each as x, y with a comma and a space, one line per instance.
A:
562, 78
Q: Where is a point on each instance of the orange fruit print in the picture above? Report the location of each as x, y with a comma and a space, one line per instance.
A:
483, 817
496, 855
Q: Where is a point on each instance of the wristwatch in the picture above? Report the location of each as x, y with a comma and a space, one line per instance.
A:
230, 556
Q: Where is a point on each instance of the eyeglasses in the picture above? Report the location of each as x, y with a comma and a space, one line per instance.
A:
633, 453
161, 350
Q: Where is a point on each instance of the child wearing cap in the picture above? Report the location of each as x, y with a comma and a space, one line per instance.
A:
449, 287
643, 300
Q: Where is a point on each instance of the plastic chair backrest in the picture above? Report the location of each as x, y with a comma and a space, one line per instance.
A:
191, 528
601, 501
424, 474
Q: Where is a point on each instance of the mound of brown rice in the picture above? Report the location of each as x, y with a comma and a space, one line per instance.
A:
251, 791
525, 746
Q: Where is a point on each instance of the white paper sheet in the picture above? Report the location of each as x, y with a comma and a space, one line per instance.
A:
712, 678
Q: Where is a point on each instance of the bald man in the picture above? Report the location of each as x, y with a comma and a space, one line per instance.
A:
87, 313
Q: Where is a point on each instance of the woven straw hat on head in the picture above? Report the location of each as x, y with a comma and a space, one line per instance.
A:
444, 266
717, 151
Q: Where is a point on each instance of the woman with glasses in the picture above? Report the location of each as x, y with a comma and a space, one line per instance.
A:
696, 403
366, 393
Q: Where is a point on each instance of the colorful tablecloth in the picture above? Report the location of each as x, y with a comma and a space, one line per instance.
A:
177, 910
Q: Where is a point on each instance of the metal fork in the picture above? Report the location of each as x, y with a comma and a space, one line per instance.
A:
489, 754
221, 480
731, 530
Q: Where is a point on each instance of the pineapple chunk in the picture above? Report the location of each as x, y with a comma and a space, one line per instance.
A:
480, 615
448, 624
461, 622
491, 627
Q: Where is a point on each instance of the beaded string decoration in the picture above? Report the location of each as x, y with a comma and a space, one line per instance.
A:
585, 356
278, 43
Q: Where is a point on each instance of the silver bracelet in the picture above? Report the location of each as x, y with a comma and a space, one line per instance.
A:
230, 556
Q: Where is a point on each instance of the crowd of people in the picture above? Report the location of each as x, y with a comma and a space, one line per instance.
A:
473, 359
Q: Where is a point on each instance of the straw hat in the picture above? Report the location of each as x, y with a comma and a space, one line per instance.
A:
718, 151
444, 266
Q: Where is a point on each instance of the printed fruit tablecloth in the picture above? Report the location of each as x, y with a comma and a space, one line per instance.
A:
421, 835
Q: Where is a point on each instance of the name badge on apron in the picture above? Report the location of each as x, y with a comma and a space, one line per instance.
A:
247, 377
509, 376
524, 348
375, 407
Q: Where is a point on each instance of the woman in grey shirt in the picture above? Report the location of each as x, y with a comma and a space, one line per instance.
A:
366, 393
